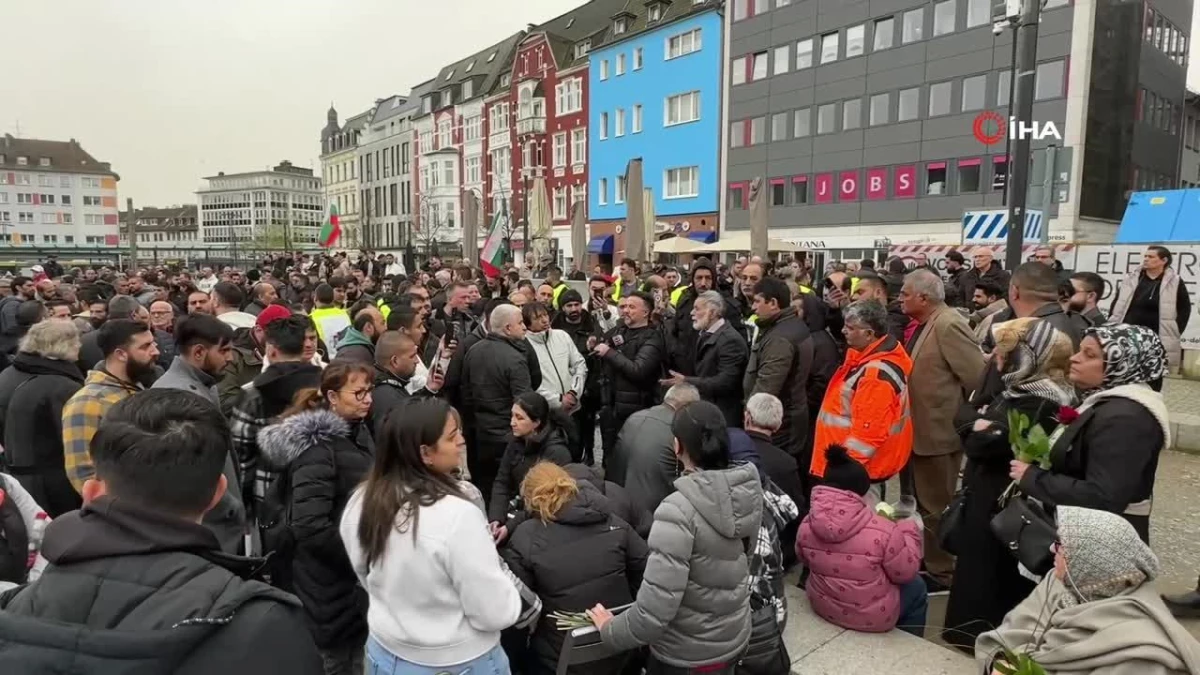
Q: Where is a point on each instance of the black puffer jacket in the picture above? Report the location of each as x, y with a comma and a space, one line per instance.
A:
495, 373
549, 444
132, 591
325, 459
683, 333
632, 369
619, 502
583, 557
32, 394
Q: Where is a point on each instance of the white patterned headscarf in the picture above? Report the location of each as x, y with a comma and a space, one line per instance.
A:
1104, 554
1132, 354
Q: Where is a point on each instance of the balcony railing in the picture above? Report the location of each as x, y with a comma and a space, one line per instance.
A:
531, 125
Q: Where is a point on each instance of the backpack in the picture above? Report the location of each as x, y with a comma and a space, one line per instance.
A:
14, 540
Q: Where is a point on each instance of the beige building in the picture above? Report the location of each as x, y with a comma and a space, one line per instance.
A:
340, 173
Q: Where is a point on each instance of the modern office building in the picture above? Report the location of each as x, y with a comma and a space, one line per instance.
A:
339, 172
862, 116
277, 208
655, 94
385, 171
1189, 156
54, 194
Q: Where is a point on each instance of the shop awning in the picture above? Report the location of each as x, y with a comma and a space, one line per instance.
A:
703, 237
601, 244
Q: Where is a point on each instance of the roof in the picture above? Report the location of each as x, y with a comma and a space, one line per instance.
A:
392, 106
487, 64
64, 156
588, 21
359, 121
671, 11
165, 219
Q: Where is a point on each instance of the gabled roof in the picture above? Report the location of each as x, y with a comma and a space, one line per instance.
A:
153, 219
392, 106
640, 9
584, 22
359, 121
483, 67
64, 156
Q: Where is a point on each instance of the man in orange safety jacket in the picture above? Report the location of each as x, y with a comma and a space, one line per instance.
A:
866, 407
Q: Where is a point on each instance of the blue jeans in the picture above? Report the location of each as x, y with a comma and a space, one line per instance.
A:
914, 603
380, 661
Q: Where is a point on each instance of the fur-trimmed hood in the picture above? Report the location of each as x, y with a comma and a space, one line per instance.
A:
282, 443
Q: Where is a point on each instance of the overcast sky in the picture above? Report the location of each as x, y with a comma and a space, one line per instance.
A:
170, 91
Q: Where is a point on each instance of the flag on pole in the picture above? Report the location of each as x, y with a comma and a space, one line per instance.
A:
491, 258
331, 231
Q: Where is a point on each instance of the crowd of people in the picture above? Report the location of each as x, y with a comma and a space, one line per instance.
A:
327, 464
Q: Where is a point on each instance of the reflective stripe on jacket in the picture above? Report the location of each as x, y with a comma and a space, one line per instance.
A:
866, 409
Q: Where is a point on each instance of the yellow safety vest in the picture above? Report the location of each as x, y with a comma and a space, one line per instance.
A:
329, 322
384, 308
558, 290
677, 294
805, 289
616, 294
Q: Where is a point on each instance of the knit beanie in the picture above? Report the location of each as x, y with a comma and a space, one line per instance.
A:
844, 472
568, 296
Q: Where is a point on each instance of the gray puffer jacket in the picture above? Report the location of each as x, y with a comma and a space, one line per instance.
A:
693, 608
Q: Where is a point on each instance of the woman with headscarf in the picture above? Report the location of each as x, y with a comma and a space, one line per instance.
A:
1098, 611
1107, 455
1032, 358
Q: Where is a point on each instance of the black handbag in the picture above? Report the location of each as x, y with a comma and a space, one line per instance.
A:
1027, 530
765, 653
951, 523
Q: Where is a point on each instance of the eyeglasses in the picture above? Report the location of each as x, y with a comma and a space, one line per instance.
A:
360, 395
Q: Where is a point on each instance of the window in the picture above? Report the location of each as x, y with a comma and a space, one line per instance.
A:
85, 182
67, 219
683, 44
974, 89
1049, 81
622, 186
654, 13
23, 179
466, 90
637, 119
26, 218
979, 12
758, 68
737, 134
829, 47
781, 60
880, 103
740, 9
602, 192
87, 201
800, 190
935, 178
968, 176
737, 197
3, 197
473, 169
603, 126
471, 128
604, 69
885, 30
560, 203
939, 99
66, 200
738, 70
569, 96
856, 40
914, 25
47, 199
65, 181
581, 49
443, 134
827, 118
22, 161
620, 123
778, 193
803, 122
46, 181
638, 58
27, 198
758, 130
910, 104
579, 146
943, 17
852, 114
1003, 87
779, 127
682, 108
682, 182
804, 54
620, 64
49, 218
560, 149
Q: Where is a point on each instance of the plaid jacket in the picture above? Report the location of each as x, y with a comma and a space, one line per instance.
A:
766, 560
81, 418
246, 419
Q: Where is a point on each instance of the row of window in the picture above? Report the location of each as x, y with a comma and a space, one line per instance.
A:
940, 100
678, 183
1157, 111
22, 160
578, 148
563, 196
17, 239
57, 218
386, 163
1149, 179
47, 180
388, 201
674, 46
677, 109
1191, 133
154, 237
1165, 36
879, 183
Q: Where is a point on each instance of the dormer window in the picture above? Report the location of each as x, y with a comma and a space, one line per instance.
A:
449, 75
43, 161
426, 104
447, 97
22, 161
582, 49
467, 87
654, 13
469, 67
505, 80
619, 26
492, 57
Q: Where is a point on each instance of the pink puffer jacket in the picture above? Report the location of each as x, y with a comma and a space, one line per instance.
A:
857, 560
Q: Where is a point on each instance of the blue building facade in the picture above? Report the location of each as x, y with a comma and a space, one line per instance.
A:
657, 95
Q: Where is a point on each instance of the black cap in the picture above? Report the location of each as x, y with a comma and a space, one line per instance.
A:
844, 472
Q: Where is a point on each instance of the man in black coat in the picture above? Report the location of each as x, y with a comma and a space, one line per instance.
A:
395, 363
681, 332
495, 373
632, 357
581, 326
138, 576
720, 361
985, 269
780, 360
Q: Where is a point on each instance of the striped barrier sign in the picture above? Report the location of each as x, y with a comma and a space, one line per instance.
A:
991, 226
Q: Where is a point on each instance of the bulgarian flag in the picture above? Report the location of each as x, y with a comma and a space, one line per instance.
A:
491, 258
331, 231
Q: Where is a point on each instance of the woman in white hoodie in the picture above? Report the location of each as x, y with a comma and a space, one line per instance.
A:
564, 370
439, 596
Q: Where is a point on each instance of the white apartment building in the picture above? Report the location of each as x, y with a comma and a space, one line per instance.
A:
173, 231
54, 194
277, 208
340, 172
385, 172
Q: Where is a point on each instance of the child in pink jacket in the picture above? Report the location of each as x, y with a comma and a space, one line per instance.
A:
863, 567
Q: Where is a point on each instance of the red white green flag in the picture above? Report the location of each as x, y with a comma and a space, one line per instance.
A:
491, 258
331, 231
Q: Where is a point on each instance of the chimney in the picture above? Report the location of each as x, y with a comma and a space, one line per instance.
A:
220, 173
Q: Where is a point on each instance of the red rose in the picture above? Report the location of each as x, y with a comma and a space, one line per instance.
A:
1067, 414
